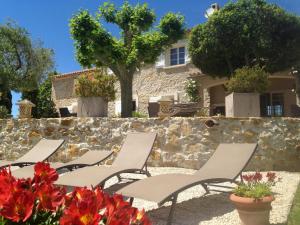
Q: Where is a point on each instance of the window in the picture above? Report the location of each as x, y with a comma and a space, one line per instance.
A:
271, 104
177, 56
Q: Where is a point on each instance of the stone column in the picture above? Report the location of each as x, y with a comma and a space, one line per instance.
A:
206, 100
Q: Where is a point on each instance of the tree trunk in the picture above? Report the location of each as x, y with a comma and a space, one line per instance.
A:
126, 96
6, 99
297, 81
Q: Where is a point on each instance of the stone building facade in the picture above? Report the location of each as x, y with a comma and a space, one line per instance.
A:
167, 78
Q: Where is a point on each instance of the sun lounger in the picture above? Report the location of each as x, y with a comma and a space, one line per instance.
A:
40, 152
132, 158
90, 158
226, 164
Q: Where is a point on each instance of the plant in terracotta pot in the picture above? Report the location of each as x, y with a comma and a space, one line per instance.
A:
94, 91
253, 197
245, 86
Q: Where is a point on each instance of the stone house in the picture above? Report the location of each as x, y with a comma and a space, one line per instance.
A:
167, 78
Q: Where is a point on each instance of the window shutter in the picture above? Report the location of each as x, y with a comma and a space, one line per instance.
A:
160, 61
187, 56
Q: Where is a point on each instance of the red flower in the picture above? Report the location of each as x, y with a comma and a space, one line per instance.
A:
140, 217
271, 176
50, 197
6, 184
118, 211
19, 206
248, 178
257, 177
81, 214
84, 208
43, 172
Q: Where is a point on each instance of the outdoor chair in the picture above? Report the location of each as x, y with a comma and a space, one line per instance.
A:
225, 165
90, 158
64, 112
40, 152
132, 158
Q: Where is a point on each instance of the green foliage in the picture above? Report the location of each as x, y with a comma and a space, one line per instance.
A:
45, 107
6, 99
245, 33
23, 63
98, 84
191, 89
138, 114
294, 216
3, 112
139, 43
256, 186
256, 191
248, 80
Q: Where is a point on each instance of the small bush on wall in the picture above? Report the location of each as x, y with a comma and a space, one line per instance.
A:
248, 80
98, 84
192, 91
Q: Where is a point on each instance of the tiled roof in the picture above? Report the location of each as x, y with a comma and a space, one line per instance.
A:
72, 74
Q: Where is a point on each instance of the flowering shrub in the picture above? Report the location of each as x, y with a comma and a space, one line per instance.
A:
248, 80
191, 89
256, 186
98, 84
38, 201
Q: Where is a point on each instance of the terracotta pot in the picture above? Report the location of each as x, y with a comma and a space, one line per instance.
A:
251, 211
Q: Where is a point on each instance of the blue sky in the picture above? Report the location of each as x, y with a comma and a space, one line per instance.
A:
48, 21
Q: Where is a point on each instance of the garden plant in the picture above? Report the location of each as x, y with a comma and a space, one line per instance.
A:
38, 201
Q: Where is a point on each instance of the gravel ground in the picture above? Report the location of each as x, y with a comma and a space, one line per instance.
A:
215, 209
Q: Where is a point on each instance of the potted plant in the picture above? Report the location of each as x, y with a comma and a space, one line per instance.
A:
94, 91
245, 86
253, 197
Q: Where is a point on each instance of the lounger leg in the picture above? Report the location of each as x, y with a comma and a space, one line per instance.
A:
119, 178
171, 214
131, 201
205, 188
145, 171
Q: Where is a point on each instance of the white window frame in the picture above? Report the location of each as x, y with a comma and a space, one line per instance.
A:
178, 56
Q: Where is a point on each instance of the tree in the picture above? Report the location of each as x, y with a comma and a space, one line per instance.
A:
23, 63
246, 33
139, 43
45, 107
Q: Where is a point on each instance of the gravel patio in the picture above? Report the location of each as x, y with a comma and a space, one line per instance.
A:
215, 209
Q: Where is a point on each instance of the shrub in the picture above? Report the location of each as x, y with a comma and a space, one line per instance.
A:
38, 201
253, 185
192, 91
99, 84
138, 114
248, 79
45, 107
3, 112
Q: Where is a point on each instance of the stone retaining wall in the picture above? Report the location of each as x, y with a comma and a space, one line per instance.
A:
181, 142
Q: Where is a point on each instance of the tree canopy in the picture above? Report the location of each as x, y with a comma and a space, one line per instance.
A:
23, 63
139, 42
246, 33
